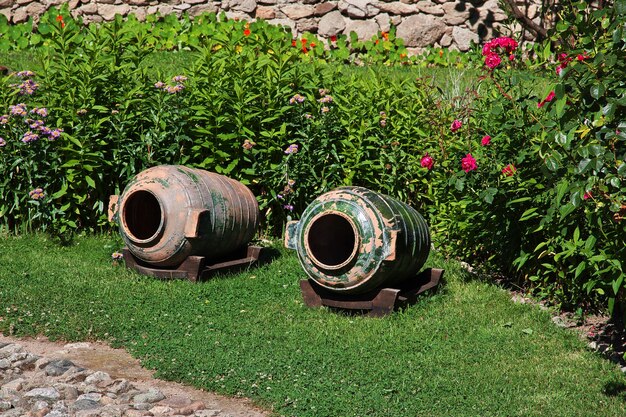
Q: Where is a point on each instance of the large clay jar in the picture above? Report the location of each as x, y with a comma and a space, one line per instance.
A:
353, 240
169, 212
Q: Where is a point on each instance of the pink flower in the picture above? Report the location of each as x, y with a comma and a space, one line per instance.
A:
468, 163
509, 170
492, 61
427, 162
564, 61
485, 140
456, 125
587, 195
548, 99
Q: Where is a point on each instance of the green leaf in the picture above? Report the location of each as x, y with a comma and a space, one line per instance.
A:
560, 107
583, 165
527, 331
90, 181
551, 163
579, 270
597, 91
70, 163
529, 214
590, 243
617, 284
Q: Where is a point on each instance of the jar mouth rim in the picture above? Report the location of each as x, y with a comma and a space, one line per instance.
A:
142, 216
332, 240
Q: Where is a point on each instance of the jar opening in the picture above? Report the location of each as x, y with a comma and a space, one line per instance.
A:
332, 241
142, 215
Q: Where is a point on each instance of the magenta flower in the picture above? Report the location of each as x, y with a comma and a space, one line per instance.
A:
548, 99
468, 163
2, 142
427, 162
40, 111
28, 87
492, 61
173, 89
288, 207
159, 85
456, 125
55, 134
296, 99
30, 137
25, 74
485, 140
37, 194
18, 110
248, 144
293, 148
179, 79
587, 195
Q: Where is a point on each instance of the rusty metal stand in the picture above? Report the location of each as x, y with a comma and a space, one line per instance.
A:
380, 302
196, 268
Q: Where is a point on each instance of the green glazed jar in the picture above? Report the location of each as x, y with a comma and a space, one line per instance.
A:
353, 240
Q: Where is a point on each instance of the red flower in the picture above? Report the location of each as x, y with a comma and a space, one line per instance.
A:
582, 57
60, 20
246, 32
456, 125
304, 41
333, 38
293, 42
485, 140
312, 45
385, 35
304, 50
427, 162
468, 163
509, 170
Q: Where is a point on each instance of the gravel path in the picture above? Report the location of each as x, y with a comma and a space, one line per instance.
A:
39, 378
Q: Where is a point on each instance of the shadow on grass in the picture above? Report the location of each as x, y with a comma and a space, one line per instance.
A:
615, 389
266, 257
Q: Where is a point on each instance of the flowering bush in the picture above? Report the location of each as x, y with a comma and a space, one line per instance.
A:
544, 196
29, 155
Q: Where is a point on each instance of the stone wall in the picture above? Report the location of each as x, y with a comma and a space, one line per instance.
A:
421, 23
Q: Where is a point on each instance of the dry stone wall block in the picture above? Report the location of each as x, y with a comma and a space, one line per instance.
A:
421, 30
332, 24
365, 29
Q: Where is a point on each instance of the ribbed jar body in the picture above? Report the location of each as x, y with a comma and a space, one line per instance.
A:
169, 212
353, 240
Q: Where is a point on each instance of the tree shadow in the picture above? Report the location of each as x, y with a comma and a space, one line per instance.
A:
615, 389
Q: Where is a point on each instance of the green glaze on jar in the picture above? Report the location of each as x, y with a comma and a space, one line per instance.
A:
353, 240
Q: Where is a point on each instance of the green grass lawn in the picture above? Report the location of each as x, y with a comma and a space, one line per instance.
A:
465, 351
